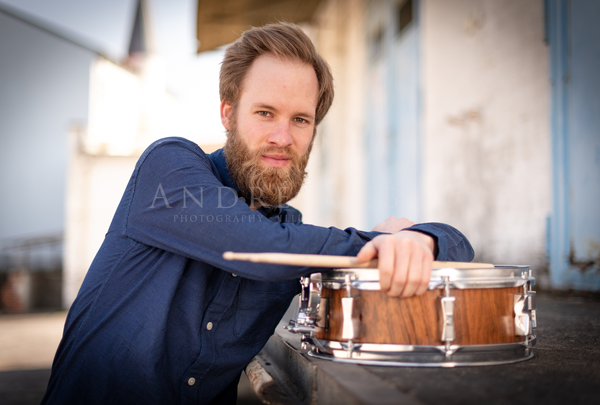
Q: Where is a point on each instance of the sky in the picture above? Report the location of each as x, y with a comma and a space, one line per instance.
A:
106, 25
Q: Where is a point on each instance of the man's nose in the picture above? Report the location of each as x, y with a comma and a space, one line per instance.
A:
281, 135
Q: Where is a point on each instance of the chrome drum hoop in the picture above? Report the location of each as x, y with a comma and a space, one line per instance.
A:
501, 276
421, 356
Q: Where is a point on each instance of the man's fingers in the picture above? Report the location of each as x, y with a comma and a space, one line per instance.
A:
402, 268
405, 261
386, 253
413, 280
425, 274
367, 252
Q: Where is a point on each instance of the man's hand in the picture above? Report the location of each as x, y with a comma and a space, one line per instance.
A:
393, 225
405, 261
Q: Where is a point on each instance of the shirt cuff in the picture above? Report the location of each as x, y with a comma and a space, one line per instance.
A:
440, 244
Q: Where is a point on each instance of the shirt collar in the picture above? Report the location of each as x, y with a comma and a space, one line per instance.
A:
218, 158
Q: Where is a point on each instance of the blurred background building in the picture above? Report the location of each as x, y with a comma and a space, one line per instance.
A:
73, 124
483, 114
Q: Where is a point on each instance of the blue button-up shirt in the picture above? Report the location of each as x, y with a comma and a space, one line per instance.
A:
161, 317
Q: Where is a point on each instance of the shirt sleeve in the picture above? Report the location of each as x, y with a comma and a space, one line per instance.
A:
178, 205
450, 244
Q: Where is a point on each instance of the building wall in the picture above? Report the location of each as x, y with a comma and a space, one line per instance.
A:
486, 125
483, 125
95, 187
392, 137
44, 87
334, 191
574, 38
43, 91
127, 112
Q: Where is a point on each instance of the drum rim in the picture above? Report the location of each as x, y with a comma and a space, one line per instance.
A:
501, 276
392, 355
392, 363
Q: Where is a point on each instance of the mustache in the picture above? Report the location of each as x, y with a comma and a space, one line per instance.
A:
277, 150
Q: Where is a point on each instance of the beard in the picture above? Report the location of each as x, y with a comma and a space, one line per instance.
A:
263, 185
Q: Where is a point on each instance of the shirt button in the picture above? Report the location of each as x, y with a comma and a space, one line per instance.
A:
191, 381
209, 326
234, 275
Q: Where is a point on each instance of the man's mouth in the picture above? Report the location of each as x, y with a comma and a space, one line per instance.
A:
276, 160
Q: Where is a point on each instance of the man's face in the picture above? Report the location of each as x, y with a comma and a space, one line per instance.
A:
271, 128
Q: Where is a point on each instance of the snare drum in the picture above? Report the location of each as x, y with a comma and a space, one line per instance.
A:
466, 317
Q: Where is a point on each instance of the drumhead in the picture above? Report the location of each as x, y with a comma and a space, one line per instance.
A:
501, 276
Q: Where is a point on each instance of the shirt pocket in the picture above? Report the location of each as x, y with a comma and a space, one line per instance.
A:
258, 308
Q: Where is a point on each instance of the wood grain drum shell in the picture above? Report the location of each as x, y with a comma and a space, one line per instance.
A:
481, 316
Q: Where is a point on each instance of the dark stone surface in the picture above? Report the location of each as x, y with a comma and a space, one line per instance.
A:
565, 368
23, 387
27, 387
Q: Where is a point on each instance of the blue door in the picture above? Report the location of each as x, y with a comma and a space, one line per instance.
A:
574, 39
393, 147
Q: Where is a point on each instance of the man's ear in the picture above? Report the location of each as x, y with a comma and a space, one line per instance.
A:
226, 111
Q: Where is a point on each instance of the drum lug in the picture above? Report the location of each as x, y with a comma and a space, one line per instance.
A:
351, 317
350, 314
525, 313
447, 318
532, 308
322, 320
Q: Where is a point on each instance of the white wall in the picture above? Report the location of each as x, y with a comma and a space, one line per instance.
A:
486, 124
95, 187
127, 112
334, 192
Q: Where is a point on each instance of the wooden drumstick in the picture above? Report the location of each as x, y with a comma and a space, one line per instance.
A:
334, 262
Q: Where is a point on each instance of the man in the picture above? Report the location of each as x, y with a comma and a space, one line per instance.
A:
161, 317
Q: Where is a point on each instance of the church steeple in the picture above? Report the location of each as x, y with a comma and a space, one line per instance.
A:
140, 44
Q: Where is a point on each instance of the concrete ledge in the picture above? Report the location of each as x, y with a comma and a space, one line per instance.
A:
314, 381
565, 369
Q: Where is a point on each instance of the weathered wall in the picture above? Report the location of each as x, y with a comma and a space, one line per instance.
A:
486, 124
334, 191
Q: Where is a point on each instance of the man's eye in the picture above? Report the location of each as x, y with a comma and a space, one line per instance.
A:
300, 120
263, 113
